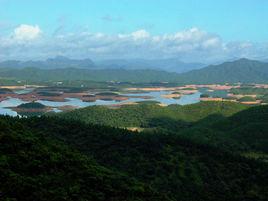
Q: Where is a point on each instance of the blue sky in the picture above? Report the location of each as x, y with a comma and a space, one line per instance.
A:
232, 21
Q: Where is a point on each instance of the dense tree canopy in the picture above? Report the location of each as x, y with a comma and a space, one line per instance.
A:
217, 152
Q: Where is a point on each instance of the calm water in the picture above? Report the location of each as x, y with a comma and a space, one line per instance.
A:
155, 96
11, 102
24, 91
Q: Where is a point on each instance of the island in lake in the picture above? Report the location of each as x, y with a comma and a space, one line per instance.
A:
31, 109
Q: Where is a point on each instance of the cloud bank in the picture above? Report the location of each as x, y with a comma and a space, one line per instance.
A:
26, 32
192, 45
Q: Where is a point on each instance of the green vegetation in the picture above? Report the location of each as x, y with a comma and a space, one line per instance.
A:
34, 166
59, 89
148, 102
249, 91
262, 93
72, 74
176, 92
204, 96
106, 94
31, 105
230, 98
6, 81
203, 123
248, 127
152, 115
206, 151
48, 93
172, 166
243, 70
188, 88
31, 109
247, 99
218, 93
244, 133
264, 98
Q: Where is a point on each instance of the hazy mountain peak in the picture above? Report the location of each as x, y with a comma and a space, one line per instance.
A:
58, 58
245, 60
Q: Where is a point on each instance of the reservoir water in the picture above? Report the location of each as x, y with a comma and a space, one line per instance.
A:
75, 102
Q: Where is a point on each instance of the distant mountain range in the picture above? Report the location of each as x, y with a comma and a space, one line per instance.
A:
57, 62
242, 70
169, 65
37, 75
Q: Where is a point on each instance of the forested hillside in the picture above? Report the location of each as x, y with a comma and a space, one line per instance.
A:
73, 74
35, 166
52, 158
242, 70
172, 166
229, 126
152, 115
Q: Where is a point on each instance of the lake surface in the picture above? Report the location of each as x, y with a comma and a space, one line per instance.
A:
24, 91
157, 96
75, 102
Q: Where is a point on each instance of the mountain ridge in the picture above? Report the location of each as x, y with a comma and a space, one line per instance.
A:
170, 65
50, 63
239, 71
242, 70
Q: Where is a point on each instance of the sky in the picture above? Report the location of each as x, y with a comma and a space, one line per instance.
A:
191, 30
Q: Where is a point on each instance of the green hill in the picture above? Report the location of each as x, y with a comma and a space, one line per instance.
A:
243, 70
72, 74
244, 132
34, 166
49, 158
230, 126
207, 151
248, 127
152, 115
172, 166
31, 105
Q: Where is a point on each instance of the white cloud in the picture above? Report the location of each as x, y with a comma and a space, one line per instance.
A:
26, 32
136, 35
140, 34
192, 45
192, 35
